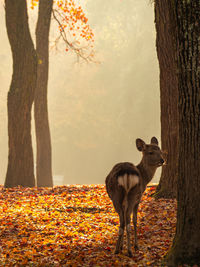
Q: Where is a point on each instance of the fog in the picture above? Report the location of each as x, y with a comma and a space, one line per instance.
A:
96, 111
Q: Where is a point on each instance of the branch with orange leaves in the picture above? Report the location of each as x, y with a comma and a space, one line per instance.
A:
73, 29
85, 51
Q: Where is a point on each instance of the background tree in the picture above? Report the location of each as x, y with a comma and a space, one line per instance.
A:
165, 44
186, 244
27, 77
20, 96
73, 29
43, 139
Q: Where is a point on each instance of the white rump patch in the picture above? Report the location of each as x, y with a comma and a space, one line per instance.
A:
128, 181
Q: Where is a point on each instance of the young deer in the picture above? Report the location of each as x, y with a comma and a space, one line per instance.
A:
125, 185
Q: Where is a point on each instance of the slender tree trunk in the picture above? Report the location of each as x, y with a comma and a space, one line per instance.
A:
165, 41
43, 139
20, 96
186, 244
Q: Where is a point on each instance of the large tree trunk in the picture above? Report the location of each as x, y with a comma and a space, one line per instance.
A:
165, 41
20, 169
43, 139
186, 244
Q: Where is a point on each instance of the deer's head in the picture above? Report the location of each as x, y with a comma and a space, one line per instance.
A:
152, 154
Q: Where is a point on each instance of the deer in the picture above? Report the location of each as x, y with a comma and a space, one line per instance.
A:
125, 185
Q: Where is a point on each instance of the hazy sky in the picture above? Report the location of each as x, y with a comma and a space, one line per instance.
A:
97, 111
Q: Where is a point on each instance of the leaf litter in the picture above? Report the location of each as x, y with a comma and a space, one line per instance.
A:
76, 225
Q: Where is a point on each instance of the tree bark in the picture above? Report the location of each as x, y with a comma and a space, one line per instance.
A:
165, 41
20, 169
43, 139
186, 244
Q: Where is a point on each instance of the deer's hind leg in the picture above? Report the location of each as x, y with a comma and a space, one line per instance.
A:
128, 230
135, 208
119, 245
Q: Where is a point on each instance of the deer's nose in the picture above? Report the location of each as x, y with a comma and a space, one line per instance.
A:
162, 161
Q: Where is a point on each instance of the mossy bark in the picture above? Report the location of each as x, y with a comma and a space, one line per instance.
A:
186, 244
20, 169
165, 44
43, 138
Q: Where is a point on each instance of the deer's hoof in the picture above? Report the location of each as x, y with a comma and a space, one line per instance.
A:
130, 254
116, 251
136, 247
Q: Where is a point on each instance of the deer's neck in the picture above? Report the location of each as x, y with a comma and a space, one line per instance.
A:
147, 172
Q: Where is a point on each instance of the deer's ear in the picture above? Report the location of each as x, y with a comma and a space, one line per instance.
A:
154, 140
140, 144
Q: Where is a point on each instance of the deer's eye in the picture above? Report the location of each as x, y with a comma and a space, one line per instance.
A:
150, 153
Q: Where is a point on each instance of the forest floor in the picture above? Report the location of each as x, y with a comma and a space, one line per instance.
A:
76, 225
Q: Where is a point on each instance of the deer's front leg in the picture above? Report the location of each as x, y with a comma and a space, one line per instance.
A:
135, 209
119, 245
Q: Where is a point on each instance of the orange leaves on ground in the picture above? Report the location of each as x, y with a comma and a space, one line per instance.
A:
77, 226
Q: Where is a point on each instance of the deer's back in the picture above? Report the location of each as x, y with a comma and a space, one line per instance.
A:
119, 170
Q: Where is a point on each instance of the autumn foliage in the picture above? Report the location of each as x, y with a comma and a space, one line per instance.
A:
77, 226
73, 27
